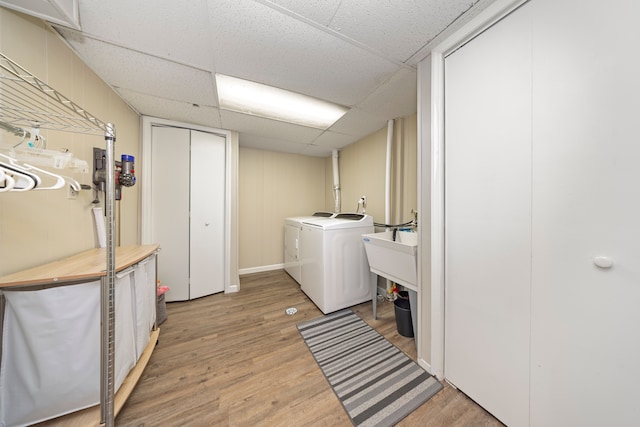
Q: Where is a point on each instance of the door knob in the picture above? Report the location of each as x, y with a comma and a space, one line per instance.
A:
206, 224
603, 261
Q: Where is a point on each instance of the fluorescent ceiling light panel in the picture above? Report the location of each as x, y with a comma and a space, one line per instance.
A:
248, 97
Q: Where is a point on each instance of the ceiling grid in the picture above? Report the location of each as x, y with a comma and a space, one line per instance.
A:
161, 56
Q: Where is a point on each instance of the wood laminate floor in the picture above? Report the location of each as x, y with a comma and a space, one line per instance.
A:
238, 360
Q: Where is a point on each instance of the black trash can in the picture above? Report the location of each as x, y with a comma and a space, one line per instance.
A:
403, 317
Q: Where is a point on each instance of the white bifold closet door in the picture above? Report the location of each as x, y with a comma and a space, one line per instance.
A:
207, 214
187, 202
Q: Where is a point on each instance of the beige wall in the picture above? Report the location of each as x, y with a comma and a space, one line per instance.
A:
41, 226
273, 186
362, 173
361, 166
404, 193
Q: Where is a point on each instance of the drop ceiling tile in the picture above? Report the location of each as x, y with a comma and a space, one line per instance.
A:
165, 28
395, 98
150, 105
271, 144
258, 43
268, 128
320, 11
397, 28
317, 151
143, 73
160, 55
459, 22
331, 140
359, 123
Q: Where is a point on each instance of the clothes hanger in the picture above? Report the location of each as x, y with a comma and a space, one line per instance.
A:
59, 179
26, 180
27, 168
72, 183
44, 157
21, 181
7, 182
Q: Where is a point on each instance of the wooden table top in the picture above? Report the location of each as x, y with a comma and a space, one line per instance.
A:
87, 265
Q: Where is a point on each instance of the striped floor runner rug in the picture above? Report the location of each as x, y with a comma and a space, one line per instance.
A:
377, 384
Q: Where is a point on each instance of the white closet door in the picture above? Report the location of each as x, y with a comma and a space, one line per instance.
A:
488, 218
207, 213
170, 207
585, 339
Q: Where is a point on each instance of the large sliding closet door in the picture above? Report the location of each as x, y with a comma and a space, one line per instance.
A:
207, 213
188, 210
488, 218
586, 319
542, 271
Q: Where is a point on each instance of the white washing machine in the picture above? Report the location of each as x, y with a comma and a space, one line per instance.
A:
334, 267
292, 227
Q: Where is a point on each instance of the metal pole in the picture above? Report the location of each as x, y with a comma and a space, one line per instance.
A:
107, 417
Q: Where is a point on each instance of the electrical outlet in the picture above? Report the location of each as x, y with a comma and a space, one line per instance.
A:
71, 193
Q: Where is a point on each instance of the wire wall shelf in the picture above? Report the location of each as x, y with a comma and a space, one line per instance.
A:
28, 102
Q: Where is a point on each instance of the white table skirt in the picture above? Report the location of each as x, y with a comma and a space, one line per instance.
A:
50, 362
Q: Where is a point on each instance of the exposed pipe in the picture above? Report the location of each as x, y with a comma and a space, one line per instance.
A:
336, 182
387, 185
387, 179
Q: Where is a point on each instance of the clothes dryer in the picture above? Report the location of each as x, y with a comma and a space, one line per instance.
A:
334, 267
292, 228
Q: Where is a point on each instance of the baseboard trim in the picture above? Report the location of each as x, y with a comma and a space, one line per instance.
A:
424, 364
232, 289
260, 269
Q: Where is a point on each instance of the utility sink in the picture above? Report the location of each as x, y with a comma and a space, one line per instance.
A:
394, 260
